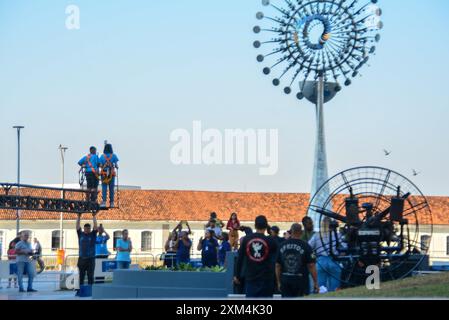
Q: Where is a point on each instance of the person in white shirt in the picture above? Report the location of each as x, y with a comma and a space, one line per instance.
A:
329, 272
213, 227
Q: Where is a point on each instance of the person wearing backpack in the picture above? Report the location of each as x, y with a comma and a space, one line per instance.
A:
90, 163
108, 164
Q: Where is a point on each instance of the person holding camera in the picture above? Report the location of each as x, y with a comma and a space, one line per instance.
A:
182, 246
294, 262
101, 246
208, 247
24, 252
178, 228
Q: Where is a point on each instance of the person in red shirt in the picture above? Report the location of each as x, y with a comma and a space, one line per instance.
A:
12, 257
233, 226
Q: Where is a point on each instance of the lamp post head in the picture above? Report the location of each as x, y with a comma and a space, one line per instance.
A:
62, 148
18, 127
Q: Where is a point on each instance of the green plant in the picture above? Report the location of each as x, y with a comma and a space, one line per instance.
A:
214, 269
186, 267
154, 268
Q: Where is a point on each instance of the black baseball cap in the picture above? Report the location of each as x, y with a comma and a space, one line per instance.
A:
261, 222
275, 229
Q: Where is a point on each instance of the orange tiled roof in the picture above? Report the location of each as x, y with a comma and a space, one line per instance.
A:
159, 205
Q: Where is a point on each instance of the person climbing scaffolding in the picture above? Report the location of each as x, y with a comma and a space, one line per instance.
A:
90, 165
108, 165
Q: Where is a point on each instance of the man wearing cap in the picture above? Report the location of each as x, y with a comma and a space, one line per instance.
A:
257, 255
294, 262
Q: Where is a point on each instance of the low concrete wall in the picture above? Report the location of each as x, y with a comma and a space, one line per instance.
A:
141, 284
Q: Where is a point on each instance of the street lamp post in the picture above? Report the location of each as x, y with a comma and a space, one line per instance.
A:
62, 149
18, 128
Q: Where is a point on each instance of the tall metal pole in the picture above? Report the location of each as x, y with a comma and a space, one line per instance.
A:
18, 128
320, 171
61, 218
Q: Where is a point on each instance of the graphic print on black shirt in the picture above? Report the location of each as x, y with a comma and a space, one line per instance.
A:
294, 256
257, 250
257, 257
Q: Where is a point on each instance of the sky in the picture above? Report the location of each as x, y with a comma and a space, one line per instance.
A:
137, 70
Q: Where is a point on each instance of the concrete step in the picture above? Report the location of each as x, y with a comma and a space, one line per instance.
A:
112, 291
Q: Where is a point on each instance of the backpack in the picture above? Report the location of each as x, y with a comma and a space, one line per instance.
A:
108, 170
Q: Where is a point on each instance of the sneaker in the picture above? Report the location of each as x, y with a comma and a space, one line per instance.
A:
112, 205
77, 293
8, 287
103, 204
21, 290
31, 290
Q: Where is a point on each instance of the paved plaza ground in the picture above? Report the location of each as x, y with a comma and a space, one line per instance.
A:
47, 285
421, 288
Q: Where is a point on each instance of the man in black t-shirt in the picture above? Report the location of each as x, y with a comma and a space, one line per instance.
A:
295, 258
274, 233
257, 254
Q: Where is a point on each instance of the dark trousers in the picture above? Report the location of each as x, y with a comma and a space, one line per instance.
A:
292, 287
240, 288
86, 265
263, 288
92, 186
170, 259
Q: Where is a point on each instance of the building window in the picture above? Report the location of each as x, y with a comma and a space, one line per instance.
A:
425, 243
447, 246
146, 241
117, 235
55, 240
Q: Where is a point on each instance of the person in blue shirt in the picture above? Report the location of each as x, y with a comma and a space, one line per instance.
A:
124, 247
208, 247
101, 246
224, 247
183, 245
91, 164
86, 241
108, 164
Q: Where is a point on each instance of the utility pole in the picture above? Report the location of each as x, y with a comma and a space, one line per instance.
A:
18, 128
62, 150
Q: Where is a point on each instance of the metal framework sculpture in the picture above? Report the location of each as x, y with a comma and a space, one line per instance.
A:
378, 218
34, 198
315, 46
332, 39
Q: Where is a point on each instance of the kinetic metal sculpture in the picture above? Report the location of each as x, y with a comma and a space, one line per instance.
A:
315, 46
377, 218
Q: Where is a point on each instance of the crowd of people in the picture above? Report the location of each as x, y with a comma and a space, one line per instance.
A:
293, 265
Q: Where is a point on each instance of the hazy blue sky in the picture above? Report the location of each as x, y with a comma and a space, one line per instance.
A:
137, 70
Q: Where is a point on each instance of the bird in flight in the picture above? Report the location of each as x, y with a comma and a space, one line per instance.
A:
415, 173
387, 153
